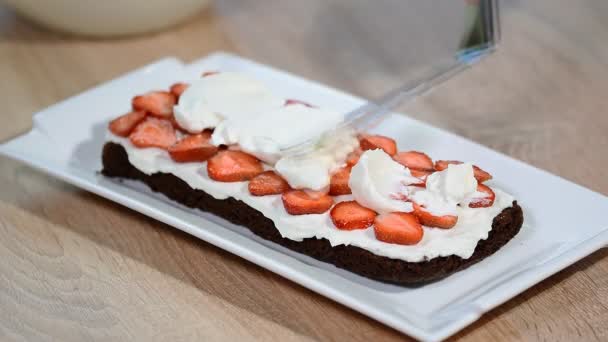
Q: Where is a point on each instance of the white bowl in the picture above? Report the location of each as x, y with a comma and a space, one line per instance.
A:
107, 17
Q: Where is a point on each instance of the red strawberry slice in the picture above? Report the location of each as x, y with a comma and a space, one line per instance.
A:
178, 88
398, 228
267, 183
422, 175
441, 165
415, 160
479, 173
372, 142
233, 166
338, 184
351, 215
430, 220
290, 102
300, 202
157, 103
153, 132
209, 73
486, 201
193, 148
124, 125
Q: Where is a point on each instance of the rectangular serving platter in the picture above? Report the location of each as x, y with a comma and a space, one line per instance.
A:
563, 221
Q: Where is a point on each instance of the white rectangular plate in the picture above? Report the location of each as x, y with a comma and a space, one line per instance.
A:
563, 221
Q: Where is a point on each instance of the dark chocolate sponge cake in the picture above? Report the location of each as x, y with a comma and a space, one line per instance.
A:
505, 226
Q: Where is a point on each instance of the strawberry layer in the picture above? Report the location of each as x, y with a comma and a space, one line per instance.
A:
473, 224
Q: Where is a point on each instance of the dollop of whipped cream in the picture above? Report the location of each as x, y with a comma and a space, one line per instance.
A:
226, 95
380, 183
446, 189
312, 169
268, 133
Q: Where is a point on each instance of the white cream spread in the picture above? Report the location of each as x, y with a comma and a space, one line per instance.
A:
226, 95
377, 181
473, 224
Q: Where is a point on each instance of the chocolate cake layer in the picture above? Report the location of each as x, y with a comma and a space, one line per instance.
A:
504, 227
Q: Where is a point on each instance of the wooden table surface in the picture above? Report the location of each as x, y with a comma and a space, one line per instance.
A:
74, 266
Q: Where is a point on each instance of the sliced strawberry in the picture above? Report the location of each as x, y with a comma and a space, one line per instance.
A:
398, 228
480, 174
178, 88
290, 102
353, 157
267, 183
209, 73
422, 175
415, 160
430, 220
372, 142
124, 125
486, 201
157, 103
233, 166
301, 202
193, 148
351, 215
338, 184
441, 165
153, 132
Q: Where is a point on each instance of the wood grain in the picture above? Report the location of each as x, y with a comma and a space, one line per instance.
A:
74, 266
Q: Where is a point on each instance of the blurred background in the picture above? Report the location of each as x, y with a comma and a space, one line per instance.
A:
365, 47
541, 87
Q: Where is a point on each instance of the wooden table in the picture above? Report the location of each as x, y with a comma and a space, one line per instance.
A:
74, 266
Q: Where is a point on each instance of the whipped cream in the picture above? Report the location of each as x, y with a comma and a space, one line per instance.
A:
226, 95
473, 224
269, 134
380, 183
446, 189
245, 112
265, 135
454, 184
311, 170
